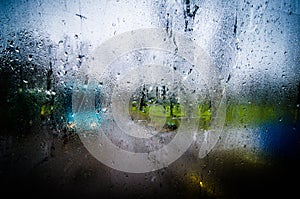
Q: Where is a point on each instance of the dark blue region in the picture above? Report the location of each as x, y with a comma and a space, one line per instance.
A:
281, 139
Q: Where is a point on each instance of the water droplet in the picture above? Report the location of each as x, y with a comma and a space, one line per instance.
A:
153, 179
30, 57
11, 44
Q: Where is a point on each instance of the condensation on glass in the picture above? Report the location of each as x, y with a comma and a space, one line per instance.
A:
213, 86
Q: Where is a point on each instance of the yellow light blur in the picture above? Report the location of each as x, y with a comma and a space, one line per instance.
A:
201, 184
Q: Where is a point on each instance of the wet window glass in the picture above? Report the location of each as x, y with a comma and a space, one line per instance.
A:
168, 99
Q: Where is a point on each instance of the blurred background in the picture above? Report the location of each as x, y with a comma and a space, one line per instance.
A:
255, 46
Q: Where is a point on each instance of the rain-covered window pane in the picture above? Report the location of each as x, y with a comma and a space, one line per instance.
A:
150, 99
